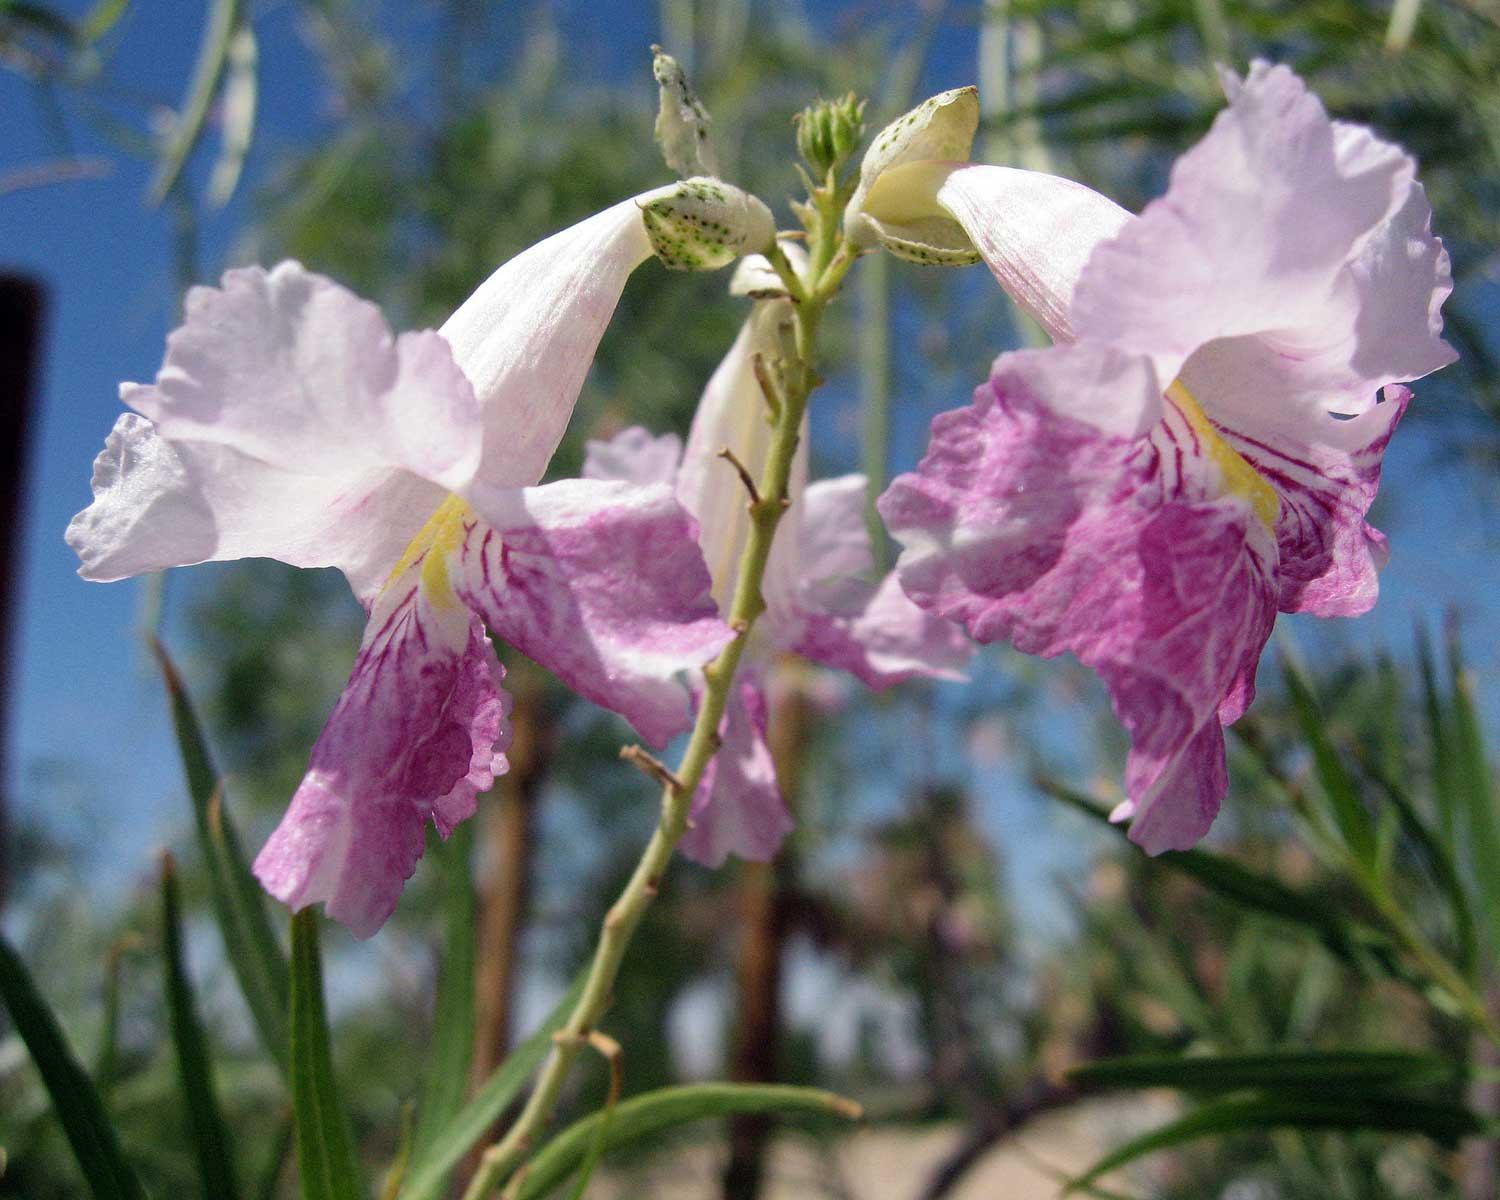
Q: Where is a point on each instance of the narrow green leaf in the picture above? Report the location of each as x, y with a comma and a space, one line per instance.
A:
250, 943
1338, 784
208, 71
1445, 791
1475, 791
103, 17
325, 1147
1442, 1121
206, 1127
78, 1107
1440, 862
656, 1112
237, 110
1340, 932
427, 1174
453, 1021
269, 1187
109, 1036
1282, 1070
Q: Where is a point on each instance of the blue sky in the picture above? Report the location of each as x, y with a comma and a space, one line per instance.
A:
83, 691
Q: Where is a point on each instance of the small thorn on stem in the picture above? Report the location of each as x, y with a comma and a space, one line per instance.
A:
743, 471
739, 625
652, 888
769, 387
647, 762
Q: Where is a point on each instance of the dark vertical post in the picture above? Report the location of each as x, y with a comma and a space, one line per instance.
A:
21, 305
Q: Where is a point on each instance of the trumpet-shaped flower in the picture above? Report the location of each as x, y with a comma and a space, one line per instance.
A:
1201, 448
288, 422
820, 602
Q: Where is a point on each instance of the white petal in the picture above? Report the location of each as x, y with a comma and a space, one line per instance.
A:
158, 504
1035, 232
527, 336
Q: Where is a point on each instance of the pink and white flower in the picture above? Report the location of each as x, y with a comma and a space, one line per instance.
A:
820, 601
288, 422
1200, 449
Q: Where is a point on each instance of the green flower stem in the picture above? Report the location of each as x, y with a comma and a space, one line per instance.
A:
830, 263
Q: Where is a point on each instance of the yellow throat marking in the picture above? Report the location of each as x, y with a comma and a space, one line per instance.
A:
440, 537
1240, 477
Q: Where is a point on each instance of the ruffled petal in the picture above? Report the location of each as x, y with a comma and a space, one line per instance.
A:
527, 336
288, 367
419, 732
1254, 235
160, 504
634, 455
1035, 232
603, 584
1030, 524
738, 808
885, 640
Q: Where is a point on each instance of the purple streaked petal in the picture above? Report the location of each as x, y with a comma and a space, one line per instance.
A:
603, 584
1031, 525
738, 807
418, 733
528, 334
160, 504
1329, 555
634, 455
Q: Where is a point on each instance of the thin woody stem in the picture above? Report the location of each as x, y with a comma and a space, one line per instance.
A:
771, 501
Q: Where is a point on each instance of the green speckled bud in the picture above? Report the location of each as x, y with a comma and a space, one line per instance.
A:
704, 224
829, 131
893, 206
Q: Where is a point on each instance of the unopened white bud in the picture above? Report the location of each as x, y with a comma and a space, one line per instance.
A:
755, 277
894, 205
703, 224
681, 120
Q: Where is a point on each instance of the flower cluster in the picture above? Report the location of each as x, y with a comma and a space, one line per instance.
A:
1196, 452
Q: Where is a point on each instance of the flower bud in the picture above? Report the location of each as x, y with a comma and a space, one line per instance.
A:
703, 224
681, 120
829, 131
894, 205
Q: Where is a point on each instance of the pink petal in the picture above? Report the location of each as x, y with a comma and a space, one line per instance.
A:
1035, 232
634, 455
1255, 234
835, 616
1029, 524
527, 336
738, 808
418, 733
603, 584
887, 640
288, 367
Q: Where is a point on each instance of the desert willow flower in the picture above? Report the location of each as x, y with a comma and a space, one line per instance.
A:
1200, 448
288, 422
